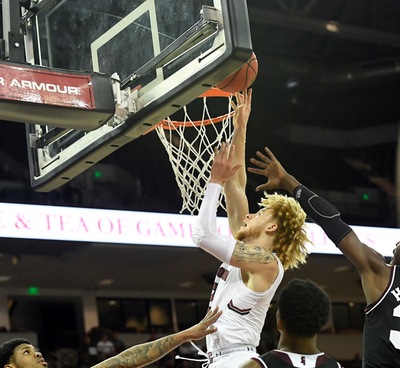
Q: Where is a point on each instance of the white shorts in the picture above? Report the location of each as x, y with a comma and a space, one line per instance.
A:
232, 360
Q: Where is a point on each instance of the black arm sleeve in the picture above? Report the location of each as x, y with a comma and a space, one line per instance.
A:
324, 213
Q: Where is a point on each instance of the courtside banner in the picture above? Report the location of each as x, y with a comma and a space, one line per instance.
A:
44, 86
146, 228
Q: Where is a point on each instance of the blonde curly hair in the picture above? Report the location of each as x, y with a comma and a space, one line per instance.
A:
291, 238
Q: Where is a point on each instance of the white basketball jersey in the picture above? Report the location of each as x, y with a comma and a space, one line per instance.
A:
244, 310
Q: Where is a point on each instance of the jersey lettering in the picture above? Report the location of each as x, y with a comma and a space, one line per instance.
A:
222, 274
382, 326
394, 336
276, 358
396, 293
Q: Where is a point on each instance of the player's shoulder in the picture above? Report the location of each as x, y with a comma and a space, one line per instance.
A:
279, 359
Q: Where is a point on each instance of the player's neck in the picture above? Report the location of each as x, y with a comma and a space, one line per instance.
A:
262, 240
299, 345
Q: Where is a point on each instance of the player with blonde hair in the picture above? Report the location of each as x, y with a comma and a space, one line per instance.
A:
264, 245
290, 242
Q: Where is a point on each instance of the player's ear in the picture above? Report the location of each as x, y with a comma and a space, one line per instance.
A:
271, 227
279, 324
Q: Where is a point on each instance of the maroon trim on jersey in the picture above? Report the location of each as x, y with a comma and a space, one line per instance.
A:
282, 356
243, 312
371, 306
321, 360
259, 361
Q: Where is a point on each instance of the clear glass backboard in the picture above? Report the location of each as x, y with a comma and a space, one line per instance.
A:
133, 62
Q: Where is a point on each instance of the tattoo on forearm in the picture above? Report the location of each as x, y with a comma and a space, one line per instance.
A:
252, 253
138, 355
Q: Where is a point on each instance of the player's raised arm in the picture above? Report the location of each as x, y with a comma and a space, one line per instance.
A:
205, 234
236, 200
369, 263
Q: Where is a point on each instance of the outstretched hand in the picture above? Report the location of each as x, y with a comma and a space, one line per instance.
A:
223, 166
271, 168
242, 107
205, 326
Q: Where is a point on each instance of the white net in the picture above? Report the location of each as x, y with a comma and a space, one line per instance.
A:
190, 147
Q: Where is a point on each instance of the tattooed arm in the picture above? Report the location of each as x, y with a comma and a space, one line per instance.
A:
258, 265
147, 353
245, 255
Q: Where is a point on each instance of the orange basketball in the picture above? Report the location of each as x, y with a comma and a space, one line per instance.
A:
242, 78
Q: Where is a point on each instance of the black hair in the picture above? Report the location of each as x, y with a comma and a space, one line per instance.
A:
303, 307
7, 350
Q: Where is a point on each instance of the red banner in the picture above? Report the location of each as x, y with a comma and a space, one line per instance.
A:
46, 87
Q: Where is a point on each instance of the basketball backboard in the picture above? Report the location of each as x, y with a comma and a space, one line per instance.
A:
155, 56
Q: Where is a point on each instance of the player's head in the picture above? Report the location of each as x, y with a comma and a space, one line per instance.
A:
303, 308
20, 353
290, 239
396, 255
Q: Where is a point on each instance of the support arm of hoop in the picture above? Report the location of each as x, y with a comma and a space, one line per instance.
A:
205, 233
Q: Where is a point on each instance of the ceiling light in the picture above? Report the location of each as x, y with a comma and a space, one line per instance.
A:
5, 278
186, 284
342, 268
292, 83
332, 27
106, 282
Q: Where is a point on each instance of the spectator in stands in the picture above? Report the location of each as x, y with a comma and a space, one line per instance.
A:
105, 347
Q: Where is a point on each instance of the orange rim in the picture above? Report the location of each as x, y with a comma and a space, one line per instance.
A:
215, 92
173, 124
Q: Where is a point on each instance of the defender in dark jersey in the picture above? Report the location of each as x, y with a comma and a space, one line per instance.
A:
303, 309
380, 281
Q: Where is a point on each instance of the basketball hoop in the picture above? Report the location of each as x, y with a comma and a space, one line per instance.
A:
191, 151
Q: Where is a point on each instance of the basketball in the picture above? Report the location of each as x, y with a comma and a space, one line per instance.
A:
242, 78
